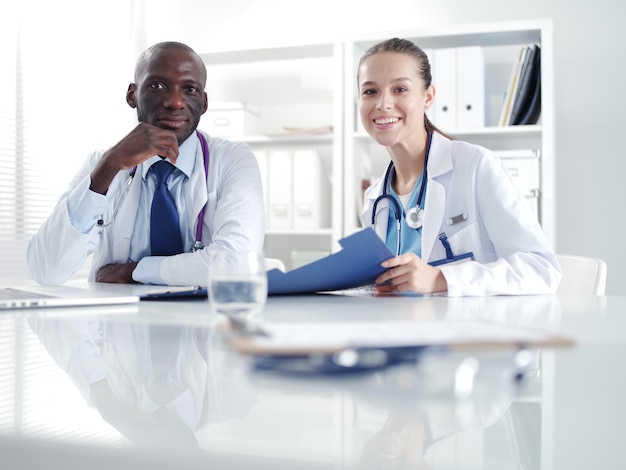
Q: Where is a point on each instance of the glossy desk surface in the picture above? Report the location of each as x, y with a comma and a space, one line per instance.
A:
155, 385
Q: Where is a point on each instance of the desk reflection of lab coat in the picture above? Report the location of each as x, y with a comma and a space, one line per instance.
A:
152, 370
424, 411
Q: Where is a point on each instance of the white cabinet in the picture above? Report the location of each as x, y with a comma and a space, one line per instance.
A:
500, 43
294, 94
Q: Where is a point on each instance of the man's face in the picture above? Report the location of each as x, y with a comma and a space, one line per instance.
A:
169, 92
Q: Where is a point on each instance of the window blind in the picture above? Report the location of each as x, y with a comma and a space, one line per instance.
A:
12, 233
63, 84
62, 97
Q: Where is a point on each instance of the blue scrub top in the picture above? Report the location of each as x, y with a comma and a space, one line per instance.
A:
410, 238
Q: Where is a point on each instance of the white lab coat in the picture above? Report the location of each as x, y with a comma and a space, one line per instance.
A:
510, 250
234, 218
200, 384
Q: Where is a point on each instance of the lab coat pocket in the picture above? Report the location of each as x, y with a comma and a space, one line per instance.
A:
469, 239
209, 213
211, 205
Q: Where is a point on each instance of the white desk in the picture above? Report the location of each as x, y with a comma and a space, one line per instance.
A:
218, 415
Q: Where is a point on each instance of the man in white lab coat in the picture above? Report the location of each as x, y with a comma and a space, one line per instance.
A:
216, 186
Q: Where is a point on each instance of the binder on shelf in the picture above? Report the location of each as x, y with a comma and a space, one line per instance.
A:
444, 79
310, 190
470, 85
522, 104
527, 85
533, 110
459, 80
522, 73
511, 88
279, 190
298, 190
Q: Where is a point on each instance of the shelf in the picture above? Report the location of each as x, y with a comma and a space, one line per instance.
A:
313, 86
300, 139
486, 35
504, 132
500, 42
320, 232
309, 51
294, 88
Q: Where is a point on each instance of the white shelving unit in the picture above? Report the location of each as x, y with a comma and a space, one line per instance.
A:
500, 43
312, 86
290, 87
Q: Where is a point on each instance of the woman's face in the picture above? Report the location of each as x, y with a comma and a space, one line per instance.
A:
392, 98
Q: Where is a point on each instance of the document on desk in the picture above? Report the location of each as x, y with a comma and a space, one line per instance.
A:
356, 265
304, 338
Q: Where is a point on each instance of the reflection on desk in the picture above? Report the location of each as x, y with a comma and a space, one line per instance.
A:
156, 383
164, 381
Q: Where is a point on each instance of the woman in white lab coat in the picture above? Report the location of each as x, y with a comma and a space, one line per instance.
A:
459, 227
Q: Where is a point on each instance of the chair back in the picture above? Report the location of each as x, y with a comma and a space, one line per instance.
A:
582, 275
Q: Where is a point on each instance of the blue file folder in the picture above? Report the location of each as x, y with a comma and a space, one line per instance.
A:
357, 264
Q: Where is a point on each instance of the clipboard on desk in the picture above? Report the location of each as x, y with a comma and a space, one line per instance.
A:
175, 293
307, 338
332, 348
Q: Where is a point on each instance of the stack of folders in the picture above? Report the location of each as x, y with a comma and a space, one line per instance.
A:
296, 189
522, 103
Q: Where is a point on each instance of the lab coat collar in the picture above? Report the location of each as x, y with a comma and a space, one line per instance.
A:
440, 158
380, 227
439, 164
196, 189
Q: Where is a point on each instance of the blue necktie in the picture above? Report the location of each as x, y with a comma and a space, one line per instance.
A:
165, 236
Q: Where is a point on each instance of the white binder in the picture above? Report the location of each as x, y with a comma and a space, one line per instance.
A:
444, 80
279, 190
310, 190
459, 80
470, 86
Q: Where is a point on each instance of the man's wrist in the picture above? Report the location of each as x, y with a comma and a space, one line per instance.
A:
148, 270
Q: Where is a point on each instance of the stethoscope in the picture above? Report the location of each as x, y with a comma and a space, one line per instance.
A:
205, 155
415, 216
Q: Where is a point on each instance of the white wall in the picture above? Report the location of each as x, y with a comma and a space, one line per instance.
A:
589, 70
75, 77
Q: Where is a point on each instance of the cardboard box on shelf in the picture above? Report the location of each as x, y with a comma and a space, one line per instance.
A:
230, 119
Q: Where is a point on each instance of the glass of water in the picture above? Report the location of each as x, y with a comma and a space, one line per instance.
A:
237, 284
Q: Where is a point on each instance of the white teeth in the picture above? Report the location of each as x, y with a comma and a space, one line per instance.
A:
386, 120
